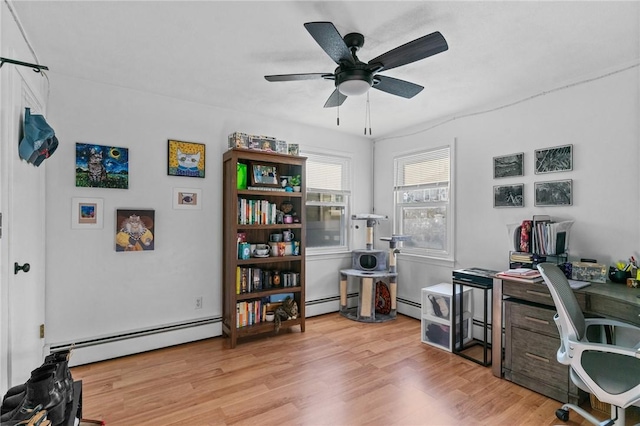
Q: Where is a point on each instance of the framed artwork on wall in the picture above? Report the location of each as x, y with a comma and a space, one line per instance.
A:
100, 166
554, 193
135, 230
187, 198
556, 159
508, 195
186, 159
508, 165
87, 213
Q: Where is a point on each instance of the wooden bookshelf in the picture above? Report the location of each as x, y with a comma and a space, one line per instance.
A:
257, 231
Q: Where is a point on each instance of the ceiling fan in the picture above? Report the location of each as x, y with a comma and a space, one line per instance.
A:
353, 77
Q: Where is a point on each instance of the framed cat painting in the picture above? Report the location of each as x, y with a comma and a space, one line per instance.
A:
186, 159
100, 166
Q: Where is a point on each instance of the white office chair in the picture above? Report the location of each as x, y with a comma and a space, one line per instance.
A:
611, 372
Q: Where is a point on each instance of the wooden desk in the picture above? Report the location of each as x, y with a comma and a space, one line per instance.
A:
601, 299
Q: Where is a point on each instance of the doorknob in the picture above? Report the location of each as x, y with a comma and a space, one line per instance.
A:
17, 268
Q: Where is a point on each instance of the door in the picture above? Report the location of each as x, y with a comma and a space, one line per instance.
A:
23, 232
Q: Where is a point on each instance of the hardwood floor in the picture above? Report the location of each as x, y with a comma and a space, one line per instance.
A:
338, 372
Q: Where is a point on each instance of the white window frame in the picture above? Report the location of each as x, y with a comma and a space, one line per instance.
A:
448, 254
345, 163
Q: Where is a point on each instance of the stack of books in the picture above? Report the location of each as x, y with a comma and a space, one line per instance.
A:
521, 274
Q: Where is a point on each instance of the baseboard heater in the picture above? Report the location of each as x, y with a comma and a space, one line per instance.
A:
133, 334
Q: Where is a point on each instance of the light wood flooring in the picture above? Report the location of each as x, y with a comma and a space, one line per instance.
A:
338, 372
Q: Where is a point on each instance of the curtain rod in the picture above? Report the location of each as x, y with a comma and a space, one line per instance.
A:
36, 67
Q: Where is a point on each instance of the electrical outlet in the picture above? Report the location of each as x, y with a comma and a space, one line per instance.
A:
199, 302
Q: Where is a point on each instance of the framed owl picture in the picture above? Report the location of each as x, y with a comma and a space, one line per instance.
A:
186, 159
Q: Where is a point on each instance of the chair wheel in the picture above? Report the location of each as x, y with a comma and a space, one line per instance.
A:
562, 414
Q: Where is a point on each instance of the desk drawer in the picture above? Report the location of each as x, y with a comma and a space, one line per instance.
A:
534, 355
532, 292
614, 308
533, 318
535, 292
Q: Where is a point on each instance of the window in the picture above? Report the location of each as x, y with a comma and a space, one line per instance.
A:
328, 192
423, 202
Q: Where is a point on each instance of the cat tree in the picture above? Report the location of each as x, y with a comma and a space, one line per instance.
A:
376, 303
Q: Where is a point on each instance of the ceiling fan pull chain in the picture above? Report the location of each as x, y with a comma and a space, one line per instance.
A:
338, 117
368, 116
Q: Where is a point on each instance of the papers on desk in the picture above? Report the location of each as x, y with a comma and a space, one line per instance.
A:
575, 284
521, 275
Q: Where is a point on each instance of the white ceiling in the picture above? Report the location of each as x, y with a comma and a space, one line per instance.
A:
217, 53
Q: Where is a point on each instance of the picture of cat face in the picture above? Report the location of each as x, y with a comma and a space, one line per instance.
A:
186, 159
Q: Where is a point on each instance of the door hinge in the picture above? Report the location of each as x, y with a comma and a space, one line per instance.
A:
42, 331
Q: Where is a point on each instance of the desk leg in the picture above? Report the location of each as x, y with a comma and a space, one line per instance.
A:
496, 328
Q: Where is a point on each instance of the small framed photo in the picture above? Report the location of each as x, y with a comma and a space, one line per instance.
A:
556, 159
508, 195
508, 165
554, 193
187, 199
86, 213
186, 159
264, 175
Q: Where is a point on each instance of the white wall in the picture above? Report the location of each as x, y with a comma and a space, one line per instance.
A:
93, 291
600, 118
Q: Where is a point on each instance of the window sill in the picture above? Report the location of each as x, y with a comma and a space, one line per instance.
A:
421, 258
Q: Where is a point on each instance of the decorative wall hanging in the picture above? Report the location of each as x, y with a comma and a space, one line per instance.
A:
86, 213
556, 159
186, 159
100, 166
554, 193
187, 198
508, 195
135, 230
508, 165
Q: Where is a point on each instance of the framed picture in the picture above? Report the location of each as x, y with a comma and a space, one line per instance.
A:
100, 166
508, 165
264, 175
556, 159
186, 159
554, 193
135, 230
508, 195
86, 213
187, 198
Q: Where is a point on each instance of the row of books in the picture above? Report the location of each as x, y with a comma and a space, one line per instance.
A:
256, 212
250, 279
250, 312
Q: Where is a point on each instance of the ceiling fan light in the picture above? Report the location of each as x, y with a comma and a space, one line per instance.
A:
354, 87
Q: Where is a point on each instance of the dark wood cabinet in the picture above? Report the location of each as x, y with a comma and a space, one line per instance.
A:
252, 212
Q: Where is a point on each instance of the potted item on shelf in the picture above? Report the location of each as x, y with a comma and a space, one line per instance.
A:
295, 183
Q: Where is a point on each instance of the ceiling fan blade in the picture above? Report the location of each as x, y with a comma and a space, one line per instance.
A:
328, 37
295, 77
415, 50
336, 99
397, 87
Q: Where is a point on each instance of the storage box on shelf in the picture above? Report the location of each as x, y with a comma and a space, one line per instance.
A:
251, 279
436, 316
